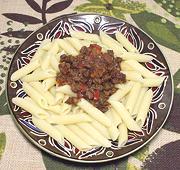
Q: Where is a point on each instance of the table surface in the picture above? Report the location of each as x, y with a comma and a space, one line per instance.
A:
159, 18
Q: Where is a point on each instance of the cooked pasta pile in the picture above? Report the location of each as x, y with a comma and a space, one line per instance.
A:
84, 125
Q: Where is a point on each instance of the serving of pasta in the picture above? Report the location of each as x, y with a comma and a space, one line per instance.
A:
83, 124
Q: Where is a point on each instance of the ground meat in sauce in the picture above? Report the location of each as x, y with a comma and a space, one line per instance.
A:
91, 74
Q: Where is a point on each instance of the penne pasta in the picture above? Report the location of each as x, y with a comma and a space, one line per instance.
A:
39, 75
73, 138
52, 90
25, 70
84, 36
133, 76
125, 42
113, 131
121, 92
141, 69
155, 82
48, 83
49, 129
111, 43
101, 128
45, 64
54, 63
125, 116
136, 56
139, 101
132, 97
92, 132
83, 136
70, 119
75, 42
59, 97
38, 55
28, 105
60, 109
125, 66
66, 89
123, 135
67, 47
46, 94
144, 108
35, 95
94, 112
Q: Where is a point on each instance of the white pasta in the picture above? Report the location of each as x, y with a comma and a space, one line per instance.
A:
35, 95
123, 135
125, 66
49, 129
58, 97
46, 94
101, 128
141, 69
67, 47
132, 97
94, 112
48, 83
28, 105
113, 131
125, 42
139, 101
73, 138
52, 90
25, 70
144, 108
60, 109
75, 42
85, 36
155, 82
70, 119
39, 75
133, 76
125, 116
54, 63
66, 89
83, 136
111, 43
136, 56
92, 132
121, 92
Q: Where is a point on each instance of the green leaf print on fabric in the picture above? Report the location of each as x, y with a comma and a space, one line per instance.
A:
114, 8
171, 6
3, 104
2, 143
176, 78
160, 29
142, 153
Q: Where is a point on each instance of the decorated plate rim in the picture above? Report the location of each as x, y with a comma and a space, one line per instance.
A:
73, 159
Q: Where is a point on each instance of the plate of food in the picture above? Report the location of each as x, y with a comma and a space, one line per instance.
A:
89, 88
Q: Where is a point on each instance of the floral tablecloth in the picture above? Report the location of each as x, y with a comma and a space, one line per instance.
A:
159, 18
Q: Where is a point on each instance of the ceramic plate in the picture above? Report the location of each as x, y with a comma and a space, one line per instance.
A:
93, 23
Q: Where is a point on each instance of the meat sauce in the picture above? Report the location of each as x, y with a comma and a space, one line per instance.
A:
91, 74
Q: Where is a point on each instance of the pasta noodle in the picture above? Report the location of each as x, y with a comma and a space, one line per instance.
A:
123, 135
125, 42
125, 116
143, 110
155, 82
69, 119
48, 83
133, 95
73, 138
28, 105
85, 36
66, 89
141, 69
25, 70
39, 75
92, 132
94, 112
49, 129
83, 136
133, 76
